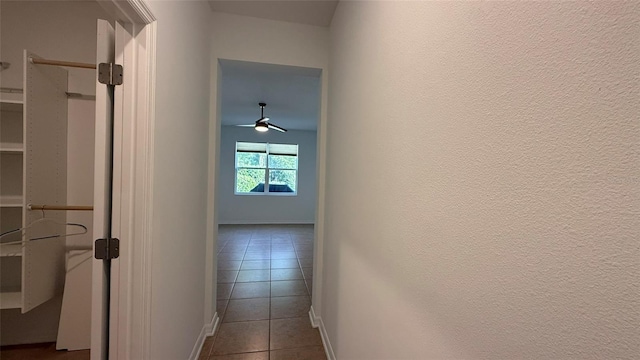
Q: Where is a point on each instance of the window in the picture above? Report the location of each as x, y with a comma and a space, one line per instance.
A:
263, 168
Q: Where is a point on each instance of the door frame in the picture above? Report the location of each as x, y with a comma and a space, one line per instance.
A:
130, 298
213, 197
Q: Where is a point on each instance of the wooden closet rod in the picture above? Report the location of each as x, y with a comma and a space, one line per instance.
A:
62, 63
59, 207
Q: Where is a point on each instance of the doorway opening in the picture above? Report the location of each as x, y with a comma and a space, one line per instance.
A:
266, 196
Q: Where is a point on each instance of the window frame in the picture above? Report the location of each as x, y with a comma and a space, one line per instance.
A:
267, 171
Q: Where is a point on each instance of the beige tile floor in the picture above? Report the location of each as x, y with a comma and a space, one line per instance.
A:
264, 285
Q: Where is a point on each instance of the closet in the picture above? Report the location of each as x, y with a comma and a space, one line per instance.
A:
47, 129
33, 146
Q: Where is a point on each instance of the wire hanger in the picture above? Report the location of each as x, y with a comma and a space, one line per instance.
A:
43, 219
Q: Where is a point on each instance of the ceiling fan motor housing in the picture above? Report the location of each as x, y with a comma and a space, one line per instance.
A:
263, 124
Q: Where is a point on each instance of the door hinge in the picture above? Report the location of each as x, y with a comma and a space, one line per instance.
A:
107, 249
110, 73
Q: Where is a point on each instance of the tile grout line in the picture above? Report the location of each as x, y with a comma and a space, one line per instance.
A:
270, 297
299, 268
230, 294
215, 336
269, 309
304, 278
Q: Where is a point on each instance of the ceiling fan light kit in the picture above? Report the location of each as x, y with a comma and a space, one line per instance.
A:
263, 124
261, 127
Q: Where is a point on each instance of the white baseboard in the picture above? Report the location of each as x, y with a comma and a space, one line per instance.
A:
207, 330
243, 222
213, 325
316, 322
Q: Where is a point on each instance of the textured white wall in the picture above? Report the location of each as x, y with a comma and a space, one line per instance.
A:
270, 209
236, 37
483, 196
180, 177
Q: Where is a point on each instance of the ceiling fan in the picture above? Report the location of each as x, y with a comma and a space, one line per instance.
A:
263, 123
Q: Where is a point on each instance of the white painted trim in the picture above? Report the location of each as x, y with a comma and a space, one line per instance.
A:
213, 326
316, 322
131, 299
321, 164
142, 9
212, 196
99, 301
207, 330
129, 11
147, 224
142, 199
121, 269
261, 222
133, 190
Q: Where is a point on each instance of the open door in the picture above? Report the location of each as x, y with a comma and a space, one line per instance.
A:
102, 195
114, 156
121, 284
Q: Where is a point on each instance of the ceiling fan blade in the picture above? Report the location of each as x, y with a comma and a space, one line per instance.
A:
264, 119
252, 125
275, 127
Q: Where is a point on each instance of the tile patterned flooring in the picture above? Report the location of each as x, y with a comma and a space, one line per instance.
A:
264, 285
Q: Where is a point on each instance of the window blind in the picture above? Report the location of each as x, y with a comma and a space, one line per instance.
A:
251, 147
283, 149
274, 149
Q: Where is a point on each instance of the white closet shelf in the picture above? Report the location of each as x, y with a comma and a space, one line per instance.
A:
11, 300
11, 105
10, 201
6, 147
11, 250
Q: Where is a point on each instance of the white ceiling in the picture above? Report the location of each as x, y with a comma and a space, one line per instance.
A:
310, 12
292, 94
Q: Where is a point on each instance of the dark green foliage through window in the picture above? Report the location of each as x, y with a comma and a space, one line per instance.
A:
266, 168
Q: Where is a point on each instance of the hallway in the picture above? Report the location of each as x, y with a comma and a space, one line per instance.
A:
264, 285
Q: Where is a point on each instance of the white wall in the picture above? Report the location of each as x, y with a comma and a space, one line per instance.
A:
492, 208
179, 177
271, 209
61, 30
235, 37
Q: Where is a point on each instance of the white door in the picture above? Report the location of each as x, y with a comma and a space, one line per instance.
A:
113, 165
121, 287
102, 195
120, 280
